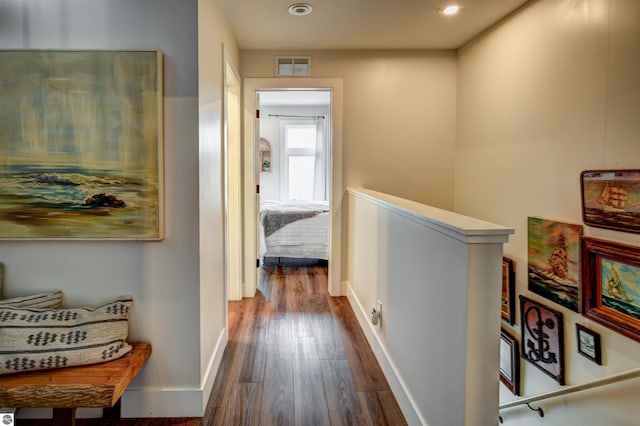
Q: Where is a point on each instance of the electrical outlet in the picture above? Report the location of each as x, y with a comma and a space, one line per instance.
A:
7, 416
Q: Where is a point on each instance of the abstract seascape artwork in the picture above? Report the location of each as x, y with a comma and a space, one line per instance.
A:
81, 145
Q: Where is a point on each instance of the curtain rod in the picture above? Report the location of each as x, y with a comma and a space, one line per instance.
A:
296, 116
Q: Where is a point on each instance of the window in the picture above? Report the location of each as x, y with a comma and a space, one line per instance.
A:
299, 160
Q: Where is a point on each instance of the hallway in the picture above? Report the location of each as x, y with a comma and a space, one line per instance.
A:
298, 357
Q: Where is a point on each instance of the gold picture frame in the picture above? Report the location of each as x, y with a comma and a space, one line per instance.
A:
611, 272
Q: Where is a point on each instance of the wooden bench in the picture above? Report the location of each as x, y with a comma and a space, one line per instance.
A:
65, 389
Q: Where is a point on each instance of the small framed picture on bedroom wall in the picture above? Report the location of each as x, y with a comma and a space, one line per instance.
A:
265, 155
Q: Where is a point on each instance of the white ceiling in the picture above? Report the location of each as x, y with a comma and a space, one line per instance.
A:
361, 24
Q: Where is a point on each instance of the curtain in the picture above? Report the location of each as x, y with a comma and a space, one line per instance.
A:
322, 161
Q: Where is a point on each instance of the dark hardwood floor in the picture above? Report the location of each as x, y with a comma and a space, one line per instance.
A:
295, 356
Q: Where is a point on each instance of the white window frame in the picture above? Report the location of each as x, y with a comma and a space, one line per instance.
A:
286, 152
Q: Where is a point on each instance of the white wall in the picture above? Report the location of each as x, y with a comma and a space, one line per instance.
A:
399, 117
215, 46
548, 93
164, 277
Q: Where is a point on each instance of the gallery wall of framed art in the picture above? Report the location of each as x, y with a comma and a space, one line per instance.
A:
596, 278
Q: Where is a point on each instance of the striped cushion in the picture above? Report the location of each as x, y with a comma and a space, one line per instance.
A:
51, 300
36, 339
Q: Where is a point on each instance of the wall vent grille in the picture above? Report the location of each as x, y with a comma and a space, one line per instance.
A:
293, 66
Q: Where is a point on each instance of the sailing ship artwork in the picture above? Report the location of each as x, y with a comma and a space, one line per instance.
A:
611, 199
620, 287
554, 261
81, 144
611, 285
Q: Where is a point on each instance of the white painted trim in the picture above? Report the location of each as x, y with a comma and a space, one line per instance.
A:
212, 368
400, 391
175, 402
250, 86
460, 227
156, 402
232, 179
162, 402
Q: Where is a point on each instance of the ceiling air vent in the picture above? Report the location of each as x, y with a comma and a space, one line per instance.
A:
293, 65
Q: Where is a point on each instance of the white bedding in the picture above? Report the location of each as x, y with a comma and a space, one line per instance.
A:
304, 238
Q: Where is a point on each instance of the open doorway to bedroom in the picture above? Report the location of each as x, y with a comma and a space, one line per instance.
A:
293, 152
294, 174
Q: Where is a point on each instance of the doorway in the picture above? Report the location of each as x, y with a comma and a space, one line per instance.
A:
254, 163
294, 175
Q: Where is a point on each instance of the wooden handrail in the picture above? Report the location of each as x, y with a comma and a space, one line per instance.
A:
631, 374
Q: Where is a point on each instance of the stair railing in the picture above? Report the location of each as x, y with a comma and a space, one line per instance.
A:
615, 378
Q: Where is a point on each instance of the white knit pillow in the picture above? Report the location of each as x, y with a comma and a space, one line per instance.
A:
36, 339
50, 300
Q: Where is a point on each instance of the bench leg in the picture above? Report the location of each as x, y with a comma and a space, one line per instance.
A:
64, 417
112, 412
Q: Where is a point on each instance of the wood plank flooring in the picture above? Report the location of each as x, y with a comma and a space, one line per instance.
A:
306, 356
295, 356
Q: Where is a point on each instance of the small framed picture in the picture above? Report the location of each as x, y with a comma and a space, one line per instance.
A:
509, 362
589, 344
507, 308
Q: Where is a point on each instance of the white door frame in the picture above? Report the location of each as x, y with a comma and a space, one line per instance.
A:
232, 178
250, 87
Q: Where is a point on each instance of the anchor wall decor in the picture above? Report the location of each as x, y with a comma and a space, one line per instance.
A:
542, 338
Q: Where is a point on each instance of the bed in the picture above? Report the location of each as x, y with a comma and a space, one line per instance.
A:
294, 229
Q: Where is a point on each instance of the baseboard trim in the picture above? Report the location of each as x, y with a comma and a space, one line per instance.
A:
212, 368
162, 402
175, 402
398, 387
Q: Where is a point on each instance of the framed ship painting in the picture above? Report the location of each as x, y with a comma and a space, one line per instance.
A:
542, 338
611, 199
611, 277
554, 261
81, 144
507, 308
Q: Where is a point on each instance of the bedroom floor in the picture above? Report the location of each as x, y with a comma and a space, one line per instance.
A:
297, 356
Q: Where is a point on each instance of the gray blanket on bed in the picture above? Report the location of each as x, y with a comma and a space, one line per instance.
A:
276, 214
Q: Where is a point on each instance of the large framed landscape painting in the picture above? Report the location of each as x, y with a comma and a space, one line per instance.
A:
554, 261
81, 144
611, 277
611, 199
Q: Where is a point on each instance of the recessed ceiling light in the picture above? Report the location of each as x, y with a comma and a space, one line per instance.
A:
452, 9
300, 9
